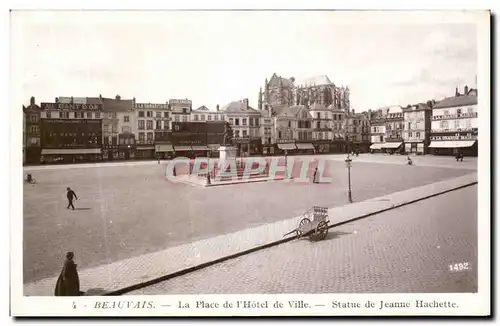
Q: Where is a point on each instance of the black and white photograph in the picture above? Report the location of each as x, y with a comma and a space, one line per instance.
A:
250, 162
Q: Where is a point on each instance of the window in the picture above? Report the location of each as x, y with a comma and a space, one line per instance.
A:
443, 124
141, 136
33, 118
114, 128
122, 141
231, 121
457, 124
177, 118
140, 125
184, 110
149, 124
126, 129
150, 136
468, 123
98, 115
245, 133
184, 118
289, 124
236, 122
418, 135
202, 117
244, 122
279, 134
114, 141
195, 117
256, 121
237, 133
470, 110
446, 112
126, 118
409, 125
158, 124
165, 114
209, 117
48, 114
60, 115
89, 115
250, 120
158, 114
149, 114
34, 129
459, 112
141, 114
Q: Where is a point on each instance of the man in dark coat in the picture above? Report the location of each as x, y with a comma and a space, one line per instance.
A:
68, 283
71, 194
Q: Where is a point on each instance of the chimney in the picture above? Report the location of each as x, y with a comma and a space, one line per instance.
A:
466, 90
245, 103
217, 107
100, 97
32, 100
456, 92
118, 97
56, 100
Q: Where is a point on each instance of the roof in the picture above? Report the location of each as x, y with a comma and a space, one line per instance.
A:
318, 107
456, 101
113, 105
395, 109
275, 81
93, 100
284, 110
237, 107
316, 80
202, 108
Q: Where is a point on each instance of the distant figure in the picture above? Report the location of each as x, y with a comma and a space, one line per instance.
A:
68, 283
357, 153
29, 178
71, 194
409, 161
459, 156
315, 176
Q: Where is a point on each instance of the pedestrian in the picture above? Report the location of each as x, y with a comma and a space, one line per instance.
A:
315, 175
70, 194
68, 282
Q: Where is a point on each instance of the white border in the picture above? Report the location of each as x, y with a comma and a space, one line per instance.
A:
475, 303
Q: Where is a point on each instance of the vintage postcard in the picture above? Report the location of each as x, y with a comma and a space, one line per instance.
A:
250, 163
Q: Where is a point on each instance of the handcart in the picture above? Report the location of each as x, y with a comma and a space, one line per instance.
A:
314, 224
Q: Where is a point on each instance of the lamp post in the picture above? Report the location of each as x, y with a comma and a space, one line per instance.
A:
348, 165
286, 163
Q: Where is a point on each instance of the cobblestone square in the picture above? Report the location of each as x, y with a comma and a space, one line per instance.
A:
126, 211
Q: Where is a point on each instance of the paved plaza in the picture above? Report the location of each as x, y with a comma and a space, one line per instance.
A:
129, 210
405, 250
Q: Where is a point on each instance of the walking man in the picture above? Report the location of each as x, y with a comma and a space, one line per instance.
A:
71, 194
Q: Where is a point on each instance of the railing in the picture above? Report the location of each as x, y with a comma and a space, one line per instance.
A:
455, 116
454, 130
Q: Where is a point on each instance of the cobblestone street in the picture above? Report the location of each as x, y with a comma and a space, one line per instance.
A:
126, 211
403, 250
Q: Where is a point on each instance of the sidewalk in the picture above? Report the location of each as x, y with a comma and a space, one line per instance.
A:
157, 266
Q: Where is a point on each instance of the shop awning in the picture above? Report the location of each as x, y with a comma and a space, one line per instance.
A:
69, 151
304, 146
200, 148
391, 145
213, 147
287, 146
144, 148
376, 146
452, 144
164, 148
182, 148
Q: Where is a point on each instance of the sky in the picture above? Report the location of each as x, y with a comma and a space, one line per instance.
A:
218, 57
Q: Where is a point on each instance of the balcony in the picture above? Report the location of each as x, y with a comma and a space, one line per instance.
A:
455, 130
464, 115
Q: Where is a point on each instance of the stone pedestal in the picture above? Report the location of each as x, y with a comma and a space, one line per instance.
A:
227, 153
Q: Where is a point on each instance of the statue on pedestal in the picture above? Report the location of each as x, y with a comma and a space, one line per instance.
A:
228, 135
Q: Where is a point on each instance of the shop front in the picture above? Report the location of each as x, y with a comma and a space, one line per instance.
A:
126, 146
255, 146
110, 153
70, 155
305, 148
287, 148
200, 150
183, 151
145, 152
213, 150
323, 146
376, 148
455, 142
393, 147
164, 151
417, 148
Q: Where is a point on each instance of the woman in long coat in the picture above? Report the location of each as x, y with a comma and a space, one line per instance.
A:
68, 283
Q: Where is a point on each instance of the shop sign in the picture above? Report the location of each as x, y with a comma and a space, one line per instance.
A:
455, 136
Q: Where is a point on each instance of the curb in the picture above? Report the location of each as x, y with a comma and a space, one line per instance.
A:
269, 245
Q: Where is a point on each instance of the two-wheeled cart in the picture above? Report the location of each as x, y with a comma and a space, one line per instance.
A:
314, 224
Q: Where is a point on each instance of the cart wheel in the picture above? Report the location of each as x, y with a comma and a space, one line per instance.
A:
304, 221
321, 230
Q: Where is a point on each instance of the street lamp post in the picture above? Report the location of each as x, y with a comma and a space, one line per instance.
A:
348, 165
286, 163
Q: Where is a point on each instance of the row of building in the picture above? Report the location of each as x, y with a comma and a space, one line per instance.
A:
312, 116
